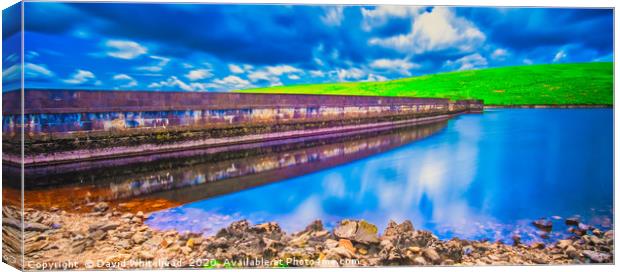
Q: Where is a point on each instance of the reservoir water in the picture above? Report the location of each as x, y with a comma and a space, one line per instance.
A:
480, 176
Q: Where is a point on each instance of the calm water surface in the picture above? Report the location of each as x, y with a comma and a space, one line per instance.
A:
485, 176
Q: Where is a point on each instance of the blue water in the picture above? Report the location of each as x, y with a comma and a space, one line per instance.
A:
485, 176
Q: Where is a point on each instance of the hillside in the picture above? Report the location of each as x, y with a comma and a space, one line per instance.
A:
576, 83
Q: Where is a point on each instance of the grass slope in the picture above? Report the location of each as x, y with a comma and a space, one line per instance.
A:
549, 84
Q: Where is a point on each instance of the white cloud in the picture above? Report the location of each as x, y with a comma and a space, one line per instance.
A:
469, 62
227, 83
559, 56
394, 65
124, 49
351, 73
528, 61
293, 77
436, 30
236, 69
233, 82
318, 61
129, 81
333, 15
172, 82
282, 69
80, 77
32, 70
239, 69
273, 73
373, 77
13, 72
30, 55
381, 14
499, 54
12, 58
199, 74
157, 67
317, 73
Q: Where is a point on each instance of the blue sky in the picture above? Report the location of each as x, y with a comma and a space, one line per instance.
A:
204, 47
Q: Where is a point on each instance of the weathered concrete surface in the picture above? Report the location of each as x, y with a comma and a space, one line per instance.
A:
67, 125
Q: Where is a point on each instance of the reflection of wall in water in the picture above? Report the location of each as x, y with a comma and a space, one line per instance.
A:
207, 172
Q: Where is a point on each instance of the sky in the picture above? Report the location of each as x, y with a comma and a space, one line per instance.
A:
213, 47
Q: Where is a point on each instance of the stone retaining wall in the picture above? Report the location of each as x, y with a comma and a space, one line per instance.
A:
66, 125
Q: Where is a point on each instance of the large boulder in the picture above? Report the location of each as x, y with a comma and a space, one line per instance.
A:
357, 231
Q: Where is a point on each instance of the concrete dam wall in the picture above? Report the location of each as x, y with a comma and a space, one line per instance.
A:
69, 125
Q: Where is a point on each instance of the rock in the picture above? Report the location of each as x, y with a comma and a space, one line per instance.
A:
405, 226
572, 221
11, 222
78, 246
468, 250
419, 260
136, 220
146, 255
238, 228
415, 249
118, 258
357, 231
538, 245
347, 244
125, 244
341, 252
140, 214
448, 262
577, 231
362, 251
186, 250
315, 226
35, 246
109, 226
571, 252
543, 224
452, 250
101, 207
583, 226
597, 257
33, 226
270, 227
609, 234
127, 216
563, 244
97, 235
330, 243
516, 239
138, 238
346, 229
190, 243
431, 255
300, 241
593, 240
391, 230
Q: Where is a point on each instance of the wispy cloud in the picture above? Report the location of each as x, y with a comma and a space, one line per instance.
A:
81, 77
128, 80
199, 74
124, 49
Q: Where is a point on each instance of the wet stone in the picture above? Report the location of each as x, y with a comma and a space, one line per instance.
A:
543, 224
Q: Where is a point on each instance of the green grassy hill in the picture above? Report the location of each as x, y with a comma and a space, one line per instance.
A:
576, 83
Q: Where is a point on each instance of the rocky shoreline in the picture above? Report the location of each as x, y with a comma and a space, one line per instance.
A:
107, 238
